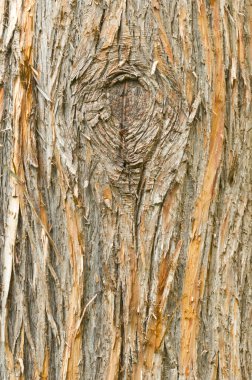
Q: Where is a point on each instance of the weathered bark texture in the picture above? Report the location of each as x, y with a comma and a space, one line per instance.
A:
125, 224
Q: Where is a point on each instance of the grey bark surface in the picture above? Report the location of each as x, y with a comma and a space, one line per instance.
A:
125, 189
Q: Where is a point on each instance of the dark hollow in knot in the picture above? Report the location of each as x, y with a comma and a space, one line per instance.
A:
128, 101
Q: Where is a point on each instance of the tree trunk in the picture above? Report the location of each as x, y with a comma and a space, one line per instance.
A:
125, 150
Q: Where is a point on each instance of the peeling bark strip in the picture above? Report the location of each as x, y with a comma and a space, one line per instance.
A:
22, 104
125, 219
194, 280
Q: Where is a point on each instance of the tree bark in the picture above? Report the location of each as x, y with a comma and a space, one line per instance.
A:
125, 217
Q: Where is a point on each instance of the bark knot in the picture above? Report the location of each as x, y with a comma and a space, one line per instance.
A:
129, 113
